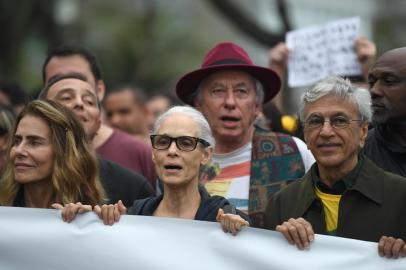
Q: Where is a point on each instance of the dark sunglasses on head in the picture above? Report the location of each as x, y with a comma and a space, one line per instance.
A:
184, 143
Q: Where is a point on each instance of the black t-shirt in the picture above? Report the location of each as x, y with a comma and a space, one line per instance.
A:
209, 206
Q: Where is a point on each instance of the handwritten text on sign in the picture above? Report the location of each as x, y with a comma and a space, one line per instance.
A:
317, 52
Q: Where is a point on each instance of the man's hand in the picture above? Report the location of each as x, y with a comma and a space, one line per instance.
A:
390, 247
110, 213
278, 58
70, 210
231, 223
365, 49
366, 52
298, 232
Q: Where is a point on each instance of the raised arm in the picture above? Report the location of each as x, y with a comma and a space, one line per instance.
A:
366, 52
278, 61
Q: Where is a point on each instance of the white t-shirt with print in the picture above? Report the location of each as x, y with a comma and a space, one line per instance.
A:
234, 179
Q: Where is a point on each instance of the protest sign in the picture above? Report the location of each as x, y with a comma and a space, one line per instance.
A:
319, 51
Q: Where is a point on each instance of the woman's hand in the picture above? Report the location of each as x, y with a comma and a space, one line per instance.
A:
230, 222
110, 213
70, 210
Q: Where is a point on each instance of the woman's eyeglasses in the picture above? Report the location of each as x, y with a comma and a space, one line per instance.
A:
184, 143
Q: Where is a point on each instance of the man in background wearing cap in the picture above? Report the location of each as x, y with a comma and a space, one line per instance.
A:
249, 164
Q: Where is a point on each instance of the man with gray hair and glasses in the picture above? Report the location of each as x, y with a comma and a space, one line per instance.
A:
344, 193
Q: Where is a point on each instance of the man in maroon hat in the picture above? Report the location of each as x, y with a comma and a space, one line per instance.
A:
249, 164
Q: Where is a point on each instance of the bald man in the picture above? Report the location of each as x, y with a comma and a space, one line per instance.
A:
386, 142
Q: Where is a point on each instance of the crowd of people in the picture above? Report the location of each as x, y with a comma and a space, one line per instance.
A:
79, 148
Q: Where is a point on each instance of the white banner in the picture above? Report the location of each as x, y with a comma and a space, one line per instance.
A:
319, 51
39, 239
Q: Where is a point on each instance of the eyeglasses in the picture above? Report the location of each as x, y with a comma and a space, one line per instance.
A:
338, 122
184, 143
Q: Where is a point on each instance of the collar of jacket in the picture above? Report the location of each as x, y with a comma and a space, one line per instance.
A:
370, 183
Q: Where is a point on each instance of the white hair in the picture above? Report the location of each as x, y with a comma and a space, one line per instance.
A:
204, 131
340, 87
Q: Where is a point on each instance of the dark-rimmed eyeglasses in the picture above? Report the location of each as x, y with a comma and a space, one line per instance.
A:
184, 143
338, 122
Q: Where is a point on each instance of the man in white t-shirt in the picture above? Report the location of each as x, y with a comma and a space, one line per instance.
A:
249, 163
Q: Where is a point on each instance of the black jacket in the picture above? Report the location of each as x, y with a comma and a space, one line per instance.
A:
387, 154
209, 206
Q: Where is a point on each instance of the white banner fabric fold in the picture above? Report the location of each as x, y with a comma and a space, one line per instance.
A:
39, 239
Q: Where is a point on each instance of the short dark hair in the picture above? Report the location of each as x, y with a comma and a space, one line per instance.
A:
71, 50
137, 92
73, 75
14, 92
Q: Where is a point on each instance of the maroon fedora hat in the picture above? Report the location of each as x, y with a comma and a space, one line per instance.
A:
226, 56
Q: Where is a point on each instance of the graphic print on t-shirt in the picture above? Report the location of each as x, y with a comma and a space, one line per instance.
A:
233, 184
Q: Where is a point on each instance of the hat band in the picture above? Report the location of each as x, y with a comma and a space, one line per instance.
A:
229, 61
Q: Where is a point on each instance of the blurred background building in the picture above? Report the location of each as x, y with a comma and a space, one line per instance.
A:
153, 42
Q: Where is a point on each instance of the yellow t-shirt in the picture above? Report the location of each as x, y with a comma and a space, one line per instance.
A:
330, 207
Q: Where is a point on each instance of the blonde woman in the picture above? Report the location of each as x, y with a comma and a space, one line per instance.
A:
49, 160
